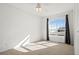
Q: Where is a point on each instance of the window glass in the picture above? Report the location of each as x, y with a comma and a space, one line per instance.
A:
57, 26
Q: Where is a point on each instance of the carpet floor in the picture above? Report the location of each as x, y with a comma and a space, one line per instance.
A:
60, 49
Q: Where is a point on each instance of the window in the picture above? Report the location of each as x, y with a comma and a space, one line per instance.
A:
57, 26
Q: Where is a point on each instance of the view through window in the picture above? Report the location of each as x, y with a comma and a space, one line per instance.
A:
57, 26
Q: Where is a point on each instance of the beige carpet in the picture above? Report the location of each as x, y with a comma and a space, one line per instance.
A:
60, 49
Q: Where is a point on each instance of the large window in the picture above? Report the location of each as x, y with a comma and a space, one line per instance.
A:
57, 26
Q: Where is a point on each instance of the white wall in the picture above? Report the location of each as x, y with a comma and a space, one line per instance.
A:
15, 25
70, 13
76, 28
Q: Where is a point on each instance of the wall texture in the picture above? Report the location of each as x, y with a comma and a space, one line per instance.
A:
15, 25
76, 28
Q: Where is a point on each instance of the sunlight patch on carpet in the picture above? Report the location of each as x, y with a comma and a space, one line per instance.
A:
36, 47
21, 49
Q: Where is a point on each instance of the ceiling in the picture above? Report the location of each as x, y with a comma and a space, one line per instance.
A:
47, 8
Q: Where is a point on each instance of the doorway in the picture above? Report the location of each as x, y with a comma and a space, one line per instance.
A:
56, 29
